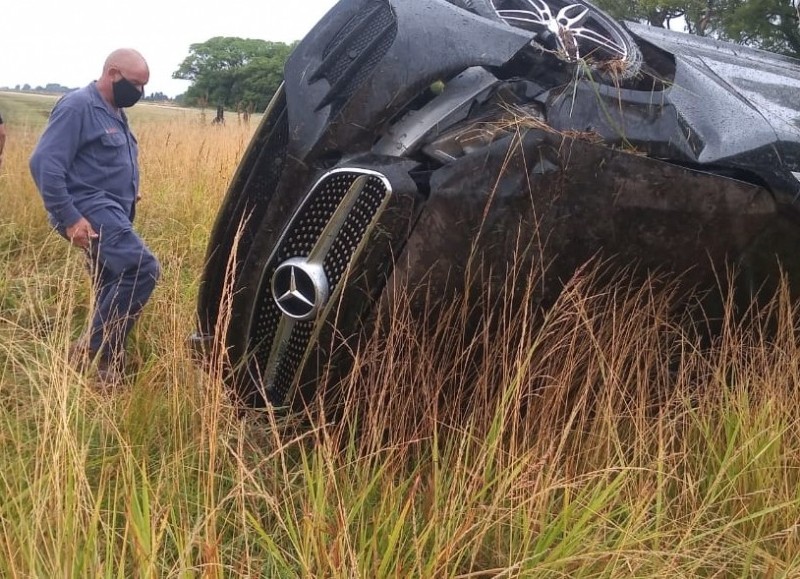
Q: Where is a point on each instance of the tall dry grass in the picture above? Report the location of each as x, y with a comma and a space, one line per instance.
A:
608, 437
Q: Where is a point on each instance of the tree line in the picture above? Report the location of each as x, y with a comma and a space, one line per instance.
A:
242, 74
772, 25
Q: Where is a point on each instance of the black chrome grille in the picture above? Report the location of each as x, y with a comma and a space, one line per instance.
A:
291, 359
305, 229
353, 230
328, 228
354, 52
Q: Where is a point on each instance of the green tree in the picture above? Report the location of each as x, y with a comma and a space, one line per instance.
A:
769, 24
231, 71
658, 13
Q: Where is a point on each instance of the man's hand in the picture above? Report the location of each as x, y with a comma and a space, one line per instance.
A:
81, 233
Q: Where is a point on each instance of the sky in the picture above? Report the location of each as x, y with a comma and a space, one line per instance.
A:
66, 42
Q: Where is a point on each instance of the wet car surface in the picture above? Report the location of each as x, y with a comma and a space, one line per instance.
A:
411, 140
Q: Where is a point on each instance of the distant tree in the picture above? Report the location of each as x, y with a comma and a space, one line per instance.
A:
56, 88
26, 87
769, 24
229, 70
156, 97
658, 13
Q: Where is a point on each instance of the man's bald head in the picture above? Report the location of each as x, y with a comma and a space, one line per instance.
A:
127, 64
130, 63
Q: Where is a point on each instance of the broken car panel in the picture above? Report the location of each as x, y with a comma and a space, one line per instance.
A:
411, 138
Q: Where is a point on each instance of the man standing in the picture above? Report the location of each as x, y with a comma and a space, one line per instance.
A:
86, 168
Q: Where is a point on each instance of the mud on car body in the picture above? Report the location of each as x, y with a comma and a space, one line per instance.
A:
407, 136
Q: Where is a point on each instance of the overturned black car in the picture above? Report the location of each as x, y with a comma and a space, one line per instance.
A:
410, 136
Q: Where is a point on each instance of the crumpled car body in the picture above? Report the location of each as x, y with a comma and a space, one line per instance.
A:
411, 138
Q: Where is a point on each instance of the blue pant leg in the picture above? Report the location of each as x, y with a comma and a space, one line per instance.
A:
126, 273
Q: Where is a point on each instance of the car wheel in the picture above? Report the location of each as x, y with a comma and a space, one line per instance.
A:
576, 31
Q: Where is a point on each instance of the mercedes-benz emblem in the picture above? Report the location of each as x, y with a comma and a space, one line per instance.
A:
299, 288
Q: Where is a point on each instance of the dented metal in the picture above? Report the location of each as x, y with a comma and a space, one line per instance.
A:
470, 139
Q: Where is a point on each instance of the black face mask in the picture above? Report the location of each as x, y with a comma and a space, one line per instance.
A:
125, 93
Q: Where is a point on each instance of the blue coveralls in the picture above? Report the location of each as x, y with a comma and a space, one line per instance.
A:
86, 164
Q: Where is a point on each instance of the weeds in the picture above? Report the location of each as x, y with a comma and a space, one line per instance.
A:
608, 437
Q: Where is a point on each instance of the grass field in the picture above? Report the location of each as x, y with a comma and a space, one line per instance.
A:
599, 441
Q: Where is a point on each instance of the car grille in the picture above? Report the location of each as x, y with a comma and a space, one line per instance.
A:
329, 228
352, 55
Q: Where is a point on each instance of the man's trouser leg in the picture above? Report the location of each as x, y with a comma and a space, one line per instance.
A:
125, 274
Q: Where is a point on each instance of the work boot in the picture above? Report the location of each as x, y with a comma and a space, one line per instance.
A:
108, 375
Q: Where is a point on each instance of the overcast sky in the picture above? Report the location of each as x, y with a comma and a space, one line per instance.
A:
66, 42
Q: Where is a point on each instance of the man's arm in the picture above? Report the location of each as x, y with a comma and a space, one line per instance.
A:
52, 159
